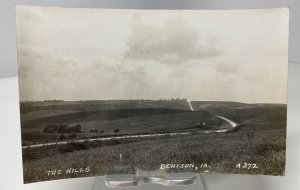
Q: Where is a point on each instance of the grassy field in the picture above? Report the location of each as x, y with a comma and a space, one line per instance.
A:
39, 114
260, 140
98, 105
147, 117
222, 152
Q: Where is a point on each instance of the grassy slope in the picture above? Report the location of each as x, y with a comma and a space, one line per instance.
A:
44, 114
152, 123
96, 116
167, 122
260, 140
247, 114
99, 105
220, 151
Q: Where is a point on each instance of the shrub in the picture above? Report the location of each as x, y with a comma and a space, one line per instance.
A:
72, 135
62, 137
94, 130
116, 130
76, 129
50, 128
79, 146
66, 148
62, 128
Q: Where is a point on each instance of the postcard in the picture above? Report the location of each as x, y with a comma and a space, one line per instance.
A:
116, 91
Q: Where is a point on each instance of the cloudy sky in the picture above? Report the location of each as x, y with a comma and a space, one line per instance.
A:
87, 54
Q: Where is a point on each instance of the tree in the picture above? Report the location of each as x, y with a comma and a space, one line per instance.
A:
116, 130
72, 135
94, 131
62, 128
76, 129
62, 137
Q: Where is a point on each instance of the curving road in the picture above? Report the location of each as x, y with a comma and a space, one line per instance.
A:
234, 125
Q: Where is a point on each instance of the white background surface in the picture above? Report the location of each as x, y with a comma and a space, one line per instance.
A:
7, 19
10, 154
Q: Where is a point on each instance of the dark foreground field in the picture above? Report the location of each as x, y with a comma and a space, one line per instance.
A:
260, 140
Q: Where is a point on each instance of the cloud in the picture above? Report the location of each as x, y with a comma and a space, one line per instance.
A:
82, 54
172, 42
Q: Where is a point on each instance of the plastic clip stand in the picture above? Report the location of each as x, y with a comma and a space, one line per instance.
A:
140, 180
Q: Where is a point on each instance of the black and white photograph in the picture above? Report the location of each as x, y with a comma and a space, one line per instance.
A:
121, 91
